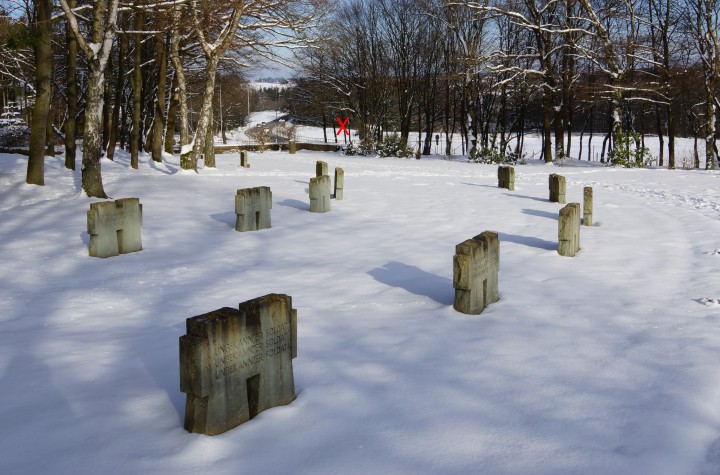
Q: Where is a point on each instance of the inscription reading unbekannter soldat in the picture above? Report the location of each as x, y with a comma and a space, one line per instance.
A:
235, 356
248, 352
277, 340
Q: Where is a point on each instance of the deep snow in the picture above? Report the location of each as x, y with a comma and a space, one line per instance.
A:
602, 363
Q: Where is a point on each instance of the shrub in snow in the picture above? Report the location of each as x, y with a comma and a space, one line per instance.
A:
15, 136
392, 146
351, 150
626, 156
490, 155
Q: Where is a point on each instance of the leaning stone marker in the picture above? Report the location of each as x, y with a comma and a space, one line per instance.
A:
321, 168
235, 363
292, 147
557, 188
588, 206
475, 273
339, 183
252, 209
569, 230
506, 177
114, 227
320, 194
244, 159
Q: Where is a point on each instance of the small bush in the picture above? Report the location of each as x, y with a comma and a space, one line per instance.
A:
490, 155
629, 157
392, 146
15, 136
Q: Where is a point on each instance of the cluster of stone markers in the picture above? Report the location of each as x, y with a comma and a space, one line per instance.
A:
235, 363
476, 263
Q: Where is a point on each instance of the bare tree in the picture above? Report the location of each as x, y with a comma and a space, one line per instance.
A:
97, 48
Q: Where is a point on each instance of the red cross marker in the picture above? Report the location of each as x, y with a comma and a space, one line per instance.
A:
342, 125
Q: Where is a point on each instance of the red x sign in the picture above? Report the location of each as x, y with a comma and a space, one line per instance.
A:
342, 125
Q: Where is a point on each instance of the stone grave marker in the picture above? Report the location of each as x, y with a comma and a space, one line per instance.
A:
292, 147
236, 363
569, 230
252, 209
114, 227
475, 273
557, 188
588, 206
339, 183
321, 168
320, 194
244, 159
506, 177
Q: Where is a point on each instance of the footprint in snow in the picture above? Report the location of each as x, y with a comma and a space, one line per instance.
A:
716, 252
708, 302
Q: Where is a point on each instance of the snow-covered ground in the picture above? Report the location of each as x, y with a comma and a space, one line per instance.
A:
606, 363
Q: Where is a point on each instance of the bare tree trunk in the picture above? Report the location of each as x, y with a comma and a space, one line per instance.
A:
710, 156
115, 119
547, 132
137, 91
158, 133
43, 71
205, 119
210, 144
71, 95
50, 138
171, 117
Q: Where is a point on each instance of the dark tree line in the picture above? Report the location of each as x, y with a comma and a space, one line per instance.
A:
491, 71
133, 74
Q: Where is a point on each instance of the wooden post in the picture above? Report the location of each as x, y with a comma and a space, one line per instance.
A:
557, 188
569, 230
588, 206
339, 183
292, 147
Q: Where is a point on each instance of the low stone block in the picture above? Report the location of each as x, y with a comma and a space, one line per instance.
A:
557, 188
320, 194
244, 159
114, 227
292, 147
321, 168
569, 230
236, 363
252, 209
506, 177
476, 266
588, 206
339, 183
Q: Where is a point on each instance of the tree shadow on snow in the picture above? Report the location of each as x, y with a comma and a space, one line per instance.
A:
542, 214
416, 281
295, 204
529, 241
477, 184
526, 197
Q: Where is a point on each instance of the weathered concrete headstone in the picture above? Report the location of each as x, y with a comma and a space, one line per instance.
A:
292, 147
244, 159
506, 177
114, 227
569, 230
557, 188
320, 194
339, 183
235, 363
475, 273
588, 206
252, 208
321, 168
